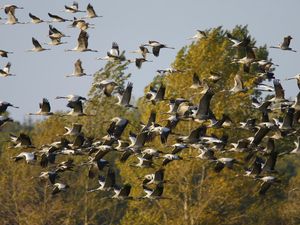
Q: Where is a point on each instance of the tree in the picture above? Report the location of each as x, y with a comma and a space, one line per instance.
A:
27, 199
198, 194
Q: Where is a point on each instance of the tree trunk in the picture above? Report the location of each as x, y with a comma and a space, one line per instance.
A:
86, 219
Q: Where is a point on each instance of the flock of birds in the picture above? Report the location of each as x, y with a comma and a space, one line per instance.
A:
259, 161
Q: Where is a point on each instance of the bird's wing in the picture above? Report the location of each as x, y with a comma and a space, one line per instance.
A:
69, 8
264, 187
125, 191
263, 107
127, 95
54, 30
198, 132
56, 17
144, 51
202, 32
75, 5
24, 139
78, 107
92, 171
271, 161
146, 156
141, 139
139, 62
55, 190
9, 9
33, 17
44, 160
196, 79
250, 53
6, 69
110, 178
152, 118
160, 93
51, 158
156, 50
245, 42
219, 166
259, 135
166, 161
45, 105
52, 178
159, 175
204, 103
83, 40
164, 135
90, 10
111, 128
36, 43
279, 91
256, 167
288, 119
78, 67
100, 154
158, 191
232, 39
286, 42
79, 140
270, 145
120, 128
77, 127
125, 155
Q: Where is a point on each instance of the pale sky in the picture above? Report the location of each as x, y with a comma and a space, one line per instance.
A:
131, 23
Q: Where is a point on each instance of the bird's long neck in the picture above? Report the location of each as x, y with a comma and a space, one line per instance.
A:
61, 97
91, 50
